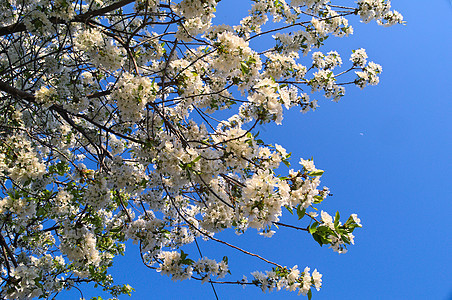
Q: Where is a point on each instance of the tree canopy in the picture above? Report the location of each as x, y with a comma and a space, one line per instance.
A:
136, 120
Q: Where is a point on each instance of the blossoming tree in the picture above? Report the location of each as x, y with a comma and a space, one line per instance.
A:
110, 131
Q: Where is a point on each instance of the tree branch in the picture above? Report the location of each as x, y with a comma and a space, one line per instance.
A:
19, 27
10, 254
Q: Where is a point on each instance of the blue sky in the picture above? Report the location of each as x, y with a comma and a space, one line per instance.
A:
387, 156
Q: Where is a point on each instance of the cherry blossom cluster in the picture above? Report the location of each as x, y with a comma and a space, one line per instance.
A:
179, 267
289, 279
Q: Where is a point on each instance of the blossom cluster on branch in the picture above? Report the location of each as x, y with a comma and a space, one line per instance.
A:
110, 131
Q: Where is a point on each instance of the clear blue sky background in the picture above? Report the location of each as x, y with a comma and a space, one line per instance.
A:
387, 153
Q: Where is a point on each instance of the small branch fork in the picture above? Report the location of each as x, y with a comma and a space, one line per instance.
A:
8, 253
211, 237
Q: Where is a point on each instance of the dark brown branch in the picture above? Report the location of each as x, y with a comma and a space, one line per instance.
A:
10, 254
211, 237
16, 92
290, 226
5, 257
83, 18
60, 110
63, 113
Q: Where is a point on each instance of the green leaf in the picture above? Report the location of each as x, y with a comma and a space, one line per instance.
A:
40, 212
309, 294
313, 228
318, 199
336, 219
318, 239
300, 211
244, 67
346, 239
316, 173
289, 209
117, 229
